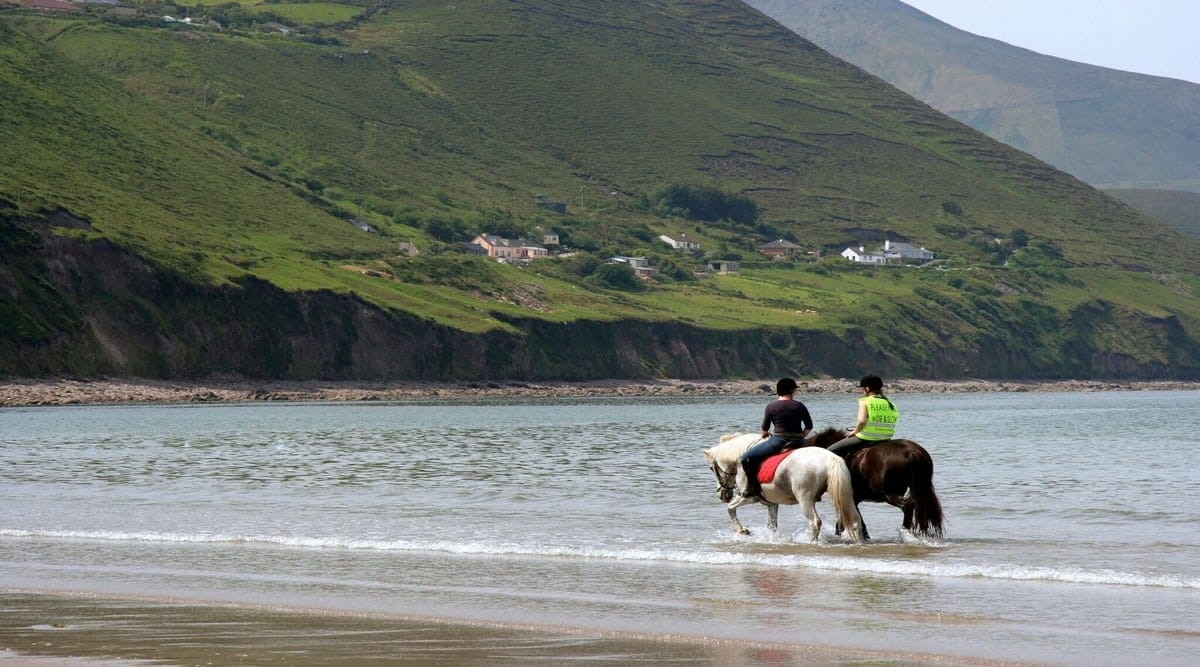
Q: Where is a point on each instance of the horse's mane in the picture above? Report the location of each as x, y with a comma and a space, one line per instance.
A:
730, 448
828, 436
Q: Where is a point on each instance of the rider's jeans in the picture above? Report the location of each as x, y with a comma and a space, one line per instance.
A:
759, 453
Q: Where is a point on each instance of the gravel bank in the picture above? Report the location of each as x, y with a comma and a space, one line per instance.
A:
30, 392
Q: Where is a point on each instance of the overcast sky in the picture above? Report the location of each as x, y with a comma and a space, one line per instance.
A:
1160, 37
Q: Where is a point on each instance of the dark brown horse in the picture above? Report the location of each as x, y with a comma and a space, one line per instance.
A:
896, 472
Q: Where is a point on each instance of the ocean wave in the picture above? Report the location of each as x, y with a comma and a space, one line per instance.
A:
834, 563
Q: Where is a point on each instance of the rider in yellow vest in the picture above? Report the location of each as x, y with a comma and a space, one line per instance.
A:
876, 419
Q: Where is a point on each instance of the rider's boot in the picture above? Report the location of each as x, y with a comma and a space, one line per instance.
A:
753, 489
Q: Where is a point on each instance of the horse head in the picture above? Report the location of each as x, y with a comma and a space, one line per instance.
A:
723, 457
724, 479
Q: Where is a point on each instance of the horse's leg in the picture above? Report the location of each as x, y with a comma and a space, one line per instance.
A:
814, 519
773, 517
733, 507
906, 506
862, 525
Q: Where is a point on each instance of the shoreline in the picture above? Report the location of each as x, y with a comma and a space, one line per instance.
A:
50, 392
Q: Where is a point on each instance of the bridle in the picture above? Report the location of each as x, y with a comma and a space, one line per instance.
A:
725, 482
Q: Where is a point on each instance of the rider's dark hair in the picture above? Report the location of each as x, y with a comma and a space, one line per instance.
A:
874, 384
785, 387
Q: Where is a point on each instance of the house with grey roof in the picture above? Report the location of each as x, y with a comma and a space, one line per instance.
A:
905, 253
780, 249
503, 249
640, 265
893, 252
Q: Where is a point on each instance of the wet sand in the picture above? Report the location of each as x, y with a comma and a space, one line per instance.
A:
31, 392
58, 630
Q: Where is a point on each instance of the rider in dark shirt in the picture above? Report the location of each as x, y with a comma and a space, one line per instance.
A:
791, 421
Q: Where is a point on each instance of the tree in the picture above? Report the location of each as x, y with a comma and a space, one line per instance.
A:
619, 277
450, 230
581, 265
704, 203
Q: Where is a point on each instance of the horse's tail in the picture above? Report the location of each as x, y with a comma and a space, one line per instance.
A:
841, 494
927, 509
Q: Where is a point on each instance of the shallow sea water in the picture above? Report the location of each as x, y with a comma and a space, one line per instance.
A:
1073, 520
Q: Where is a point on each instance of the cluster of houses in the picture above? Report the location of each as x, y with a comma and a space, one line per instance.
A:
525, 250
522, 251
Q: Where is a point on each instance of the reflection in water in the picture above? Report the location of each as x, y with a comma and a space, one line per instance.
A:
883, 592
777, 586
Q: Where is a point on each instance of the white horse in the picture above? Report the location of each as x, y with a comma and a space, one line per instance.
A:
802, 478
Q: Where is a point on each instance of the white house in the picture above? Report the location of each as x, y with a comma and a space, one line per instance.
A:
861, 256
679, 243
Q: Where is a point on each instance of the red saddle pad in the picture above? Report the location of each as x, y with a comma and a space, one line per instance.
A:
766, 472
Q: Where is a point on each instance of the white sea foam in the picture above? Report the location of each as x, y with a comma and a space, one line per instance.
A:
698, 556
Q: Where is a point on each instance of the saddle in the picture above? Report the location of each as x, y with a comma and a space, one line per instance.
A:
853, 457
766, 471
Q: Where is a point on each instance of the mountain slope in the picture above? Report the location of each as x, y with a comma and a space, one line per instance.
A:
1180, 210
1111, 129
223, 167
497, 102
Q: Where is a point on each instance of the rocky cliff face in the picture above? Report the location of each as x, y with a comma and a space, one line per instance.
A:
89, 308
76, 307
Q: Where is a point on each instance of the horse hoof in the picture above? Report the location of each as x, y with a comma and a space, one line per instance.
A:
744, 531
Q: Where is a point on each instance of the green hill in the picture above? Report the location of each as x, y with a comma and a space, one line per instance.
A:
1110, 128
176, 201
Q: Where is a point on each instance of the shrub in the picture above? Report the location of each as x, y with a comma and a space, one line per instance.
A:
618, 277
704, 203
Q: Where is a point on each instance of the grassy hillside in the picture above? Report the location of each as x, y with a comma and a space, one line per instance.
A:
240, 152
1110, 128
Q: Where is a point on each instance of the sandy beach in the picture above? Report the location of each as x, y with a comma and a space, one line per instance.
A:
58, 630
32, 392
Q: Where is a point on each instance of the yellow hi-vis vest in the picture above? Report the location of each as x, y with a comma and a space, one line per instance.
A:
881, 419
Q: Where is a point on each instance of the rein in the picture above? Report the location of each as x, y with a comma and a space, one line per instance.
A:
725, 482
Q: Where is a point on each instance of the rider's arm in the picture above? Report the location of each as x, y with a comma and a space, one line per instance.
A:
862, 418
766, 424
